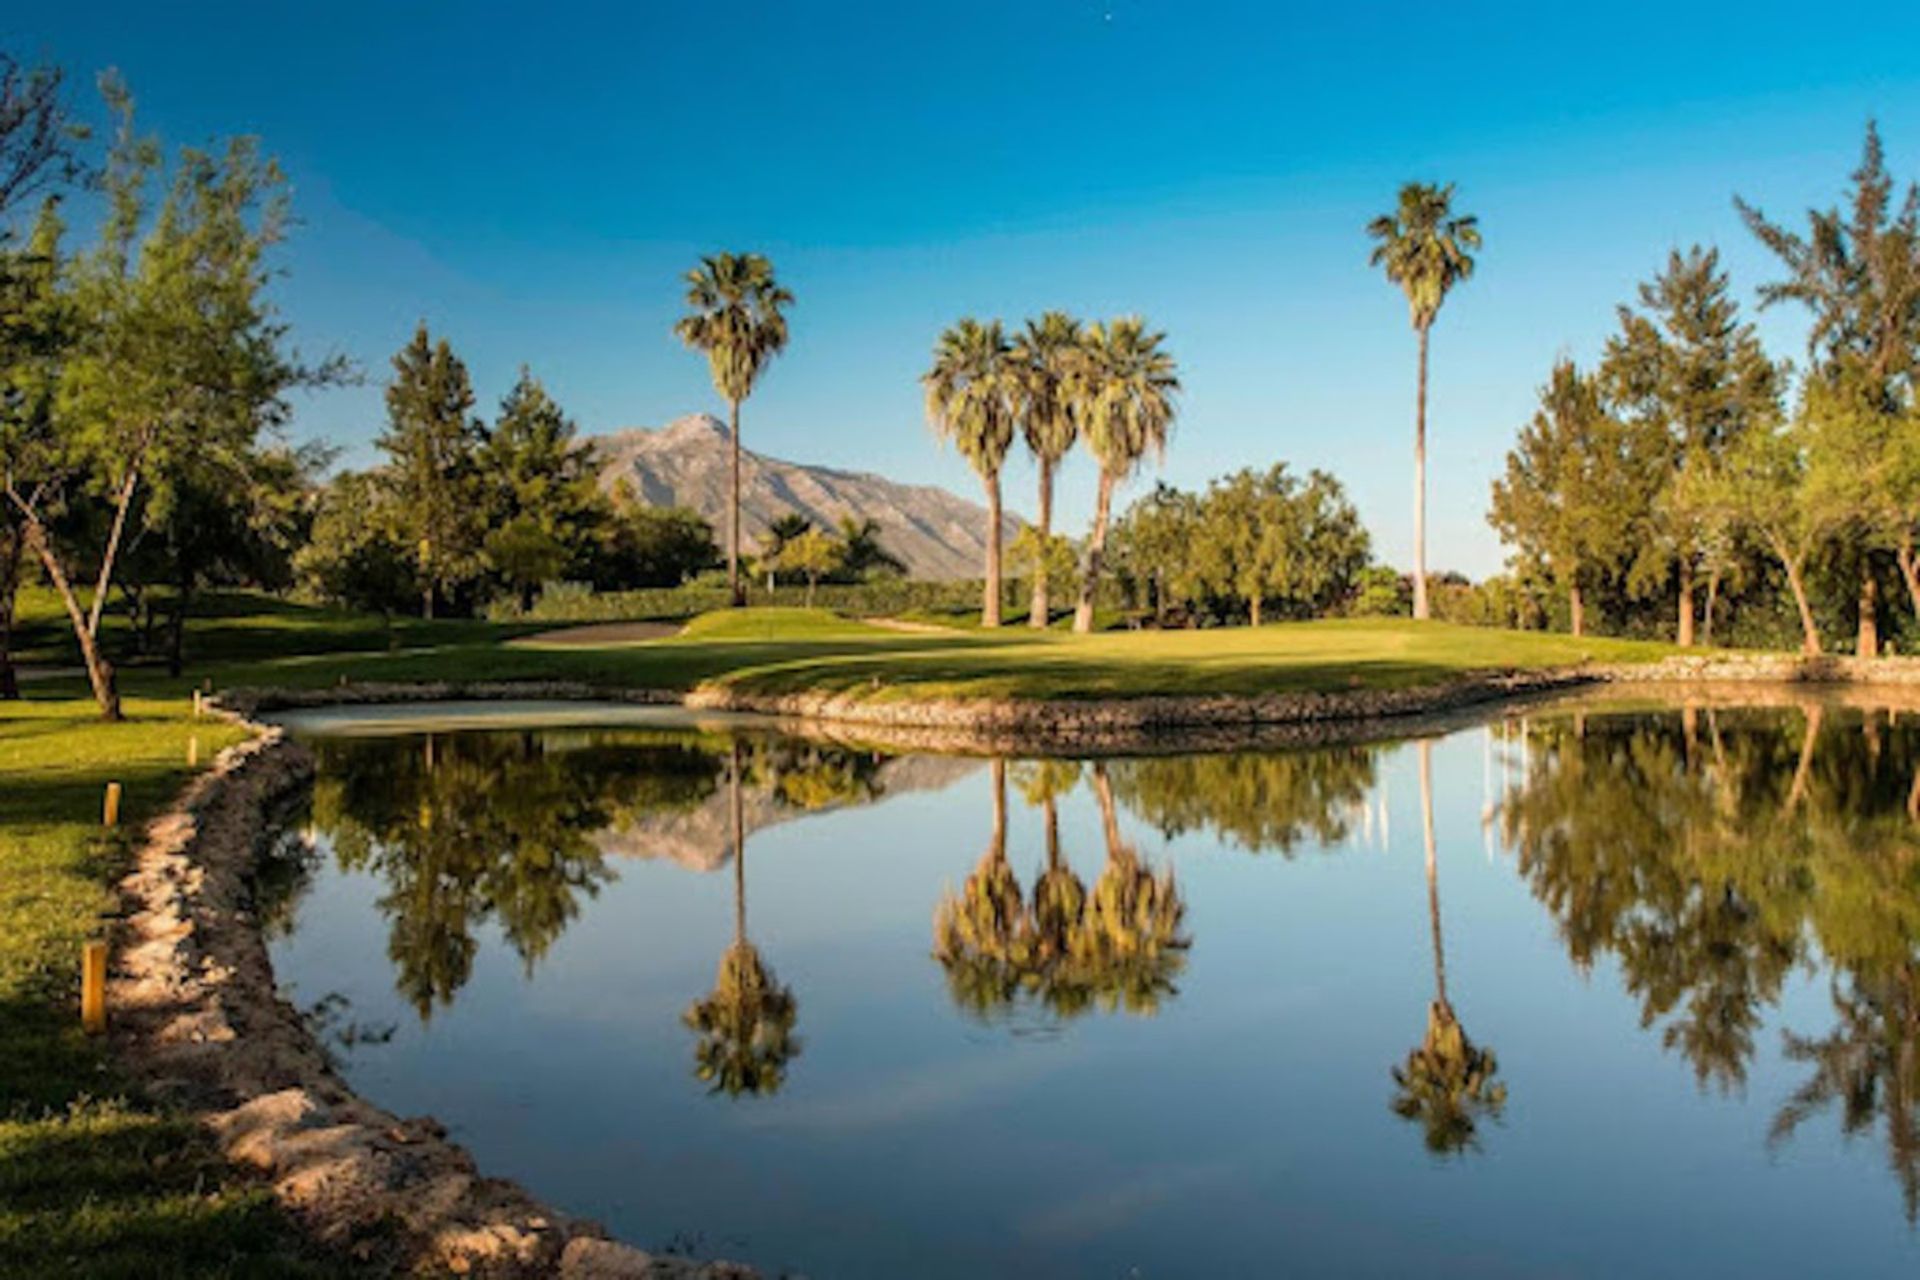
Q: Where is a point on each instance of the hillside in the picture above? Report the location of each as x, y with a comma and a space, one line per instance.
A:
937, 534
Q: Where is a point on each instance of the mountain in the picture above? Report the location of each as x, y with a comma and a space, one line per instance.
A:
937, 534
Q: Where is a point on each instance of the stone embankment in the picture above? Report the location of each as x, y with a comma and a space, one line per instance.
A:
196, 1014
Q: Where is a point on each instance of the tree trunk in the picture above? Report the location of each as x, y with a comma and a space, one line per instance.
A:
1096, 551
990, 603
1706, 613
1683, 632
1577, 610
811, 580
9, 593
1420, 485
735, 589
1803, 769
1109, 816
1254, 606
1867, 640
999, 781
1809, 632
1425, 749
177, 629
1038, 615
100, 673
1909, 569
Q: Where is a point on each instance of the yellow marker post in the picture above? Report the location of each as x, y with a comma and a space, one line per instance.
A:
110, 813
93, 988
196, 704
193, 752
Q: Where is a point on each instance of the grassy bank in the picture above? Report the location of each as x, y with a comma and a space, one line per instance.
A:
92, 1181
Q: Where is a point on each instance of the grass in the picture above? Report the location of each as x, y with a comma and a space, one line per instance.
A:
92, 1181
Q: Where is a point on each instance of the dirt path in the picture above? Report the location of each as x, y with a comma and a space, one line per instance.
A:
601, 634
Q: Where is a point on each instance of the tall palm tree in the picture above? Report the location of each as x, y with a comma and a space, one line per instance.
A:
1425, 249
1045, 357
738, 318
971, 390
1124, 387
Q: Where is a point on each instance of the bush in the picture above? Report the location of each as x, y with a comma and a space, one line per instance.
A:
883, 597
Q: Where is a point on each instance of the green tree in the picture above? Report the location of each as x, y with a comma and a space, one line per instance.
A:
779, 532
175, 349
813, 555
432, 442
1686, 369
543, 496
862, 553
1858, 275
1576, 486
1425, 249
1044, 358
1268, 537
1381, 592
1763, 485
1055, 557
1125, 387
643, 546
972, 390
1153, 548
356, 556
738, 319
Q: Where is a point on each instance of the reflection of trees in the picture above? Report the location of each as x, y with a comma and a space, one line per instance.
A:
1257, 800
475, 828
1447, 1082
745, 1024
1710, 868
1119, 945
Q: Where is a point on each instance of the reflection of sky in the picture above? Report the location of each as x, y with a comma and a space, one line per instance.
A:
1248, 1122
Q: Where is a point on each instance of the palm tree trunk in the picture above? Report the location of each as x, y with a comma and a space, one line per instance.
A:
1577, 609
1053, 830
1420, 485
1038, 614
1867, 640
1683, 631
1096, 551
1109, 816
1433, 872
734, 587
739, 846
990, 604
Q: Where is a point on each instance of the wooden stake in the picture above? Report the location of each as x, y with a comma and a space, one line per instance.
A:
93, 987
110, 814
196, 704
193, 752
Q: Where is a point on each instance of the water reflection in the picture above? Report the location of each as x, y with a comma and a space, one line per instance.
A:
1705, 855
1711, 854
745, 1024
1068, 949
1447, 1083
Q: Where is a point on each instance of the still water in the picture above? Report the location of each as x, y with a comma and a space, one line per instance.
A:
1580, 992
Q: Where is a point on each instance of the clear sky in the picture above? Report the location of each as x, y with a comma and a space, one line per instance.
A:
532, 180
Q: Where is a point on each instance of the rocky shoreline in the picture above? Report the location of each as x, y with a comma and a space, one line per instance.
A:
197, 1014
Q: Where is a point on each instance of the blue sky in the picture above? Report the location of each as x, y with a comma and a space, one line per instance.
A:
533, 180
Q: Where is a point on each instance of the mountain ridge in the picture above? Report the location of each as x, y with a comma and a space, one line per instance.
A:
935, 532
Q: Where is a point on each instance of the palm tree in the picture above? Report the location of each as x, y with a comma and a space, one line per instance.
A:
1045, 356
745, 1024
739, 320
1124, 387
1447, 1081
981, 935
970, 401
1424, 249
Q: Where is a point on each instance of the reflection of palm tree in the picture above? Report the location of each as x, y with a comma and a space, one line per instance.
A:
1059, 896
745, 1023
1448, 1081
981, 935
1129, 947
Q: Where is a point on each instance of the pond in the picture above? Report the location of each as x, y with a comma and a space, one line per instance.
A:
1579, 990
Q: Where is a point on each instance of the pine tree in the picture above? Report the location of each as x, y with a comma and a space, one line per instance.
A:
431, 442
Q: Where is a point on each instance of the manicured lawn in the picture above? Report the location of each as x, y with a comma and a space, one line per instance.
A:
92, 1181
789, 650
